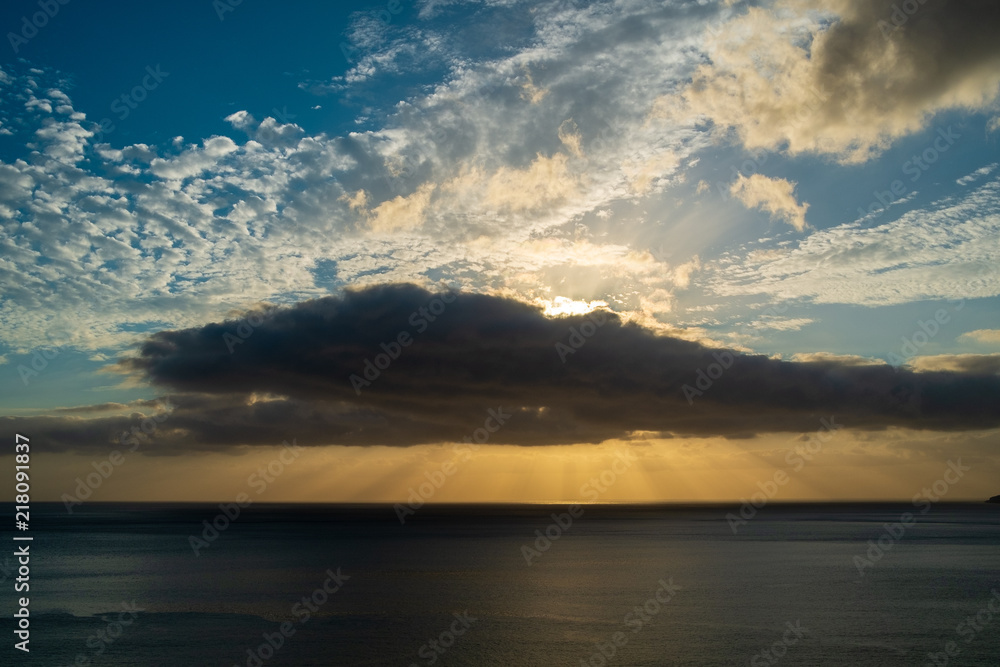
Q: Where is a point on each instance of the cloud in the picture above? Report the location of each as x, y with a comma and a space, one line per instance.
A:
531, 92
401, 212
843, 359
642, 173
569, 135
545, 181
458, 175
292, 377
194, 160
241, 120
969, 364
272, 133
782, 324
987, 336
774, 195
977, 174
945, 251
837, 78
62, 140
682, 274
131, 408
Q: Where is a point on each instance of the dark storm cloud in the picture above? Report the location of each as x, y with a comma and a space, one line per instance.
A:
290, 376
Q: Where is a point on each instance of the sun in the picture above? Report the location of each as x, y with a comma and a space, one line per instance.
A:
562, 305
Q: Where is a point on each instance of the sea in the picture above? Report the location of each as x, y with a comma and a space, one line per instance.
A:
161, 584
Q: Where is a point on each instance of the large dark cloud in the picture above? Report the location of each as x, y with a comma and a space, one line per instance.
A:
289, 376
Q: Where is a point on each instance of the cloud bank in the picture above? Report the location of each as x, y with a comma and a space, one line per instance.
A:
572, 379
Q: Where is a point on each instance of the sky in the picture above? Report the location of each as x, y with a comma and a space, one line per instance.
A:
501, 251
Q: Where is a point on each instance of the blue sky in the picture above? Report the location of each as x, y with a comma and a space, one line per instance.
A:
702, 169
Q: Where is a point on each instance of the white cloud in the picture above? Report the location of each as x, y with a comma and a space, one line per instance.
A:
978, 173
241, 120
774, 195
63, 140
194, 160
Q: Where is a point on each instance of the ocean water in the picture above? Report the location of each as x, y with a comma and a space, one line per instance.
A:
117, 584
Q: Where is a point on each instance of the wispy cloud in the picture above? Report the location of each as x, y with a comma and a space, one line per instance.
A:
982, 172
947, 251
